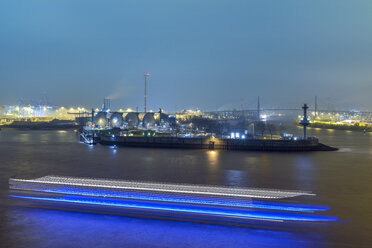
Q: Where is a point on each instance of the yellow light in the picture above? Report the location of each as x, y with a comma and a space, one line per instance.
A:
213, 159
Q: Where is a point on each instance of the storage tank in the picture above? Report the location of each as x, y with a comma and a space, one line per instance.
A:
116, 120
148, 120
101, 119
132, 119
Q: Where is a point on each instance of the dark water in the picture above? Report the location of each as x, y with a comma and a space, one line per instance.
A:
341, 180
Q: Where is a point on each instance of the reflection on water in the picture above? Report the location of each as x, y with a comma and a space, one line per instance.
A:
341, 180
265, 159
50, 228
234, 177
252, 160
213, 158
213, 167
345, 150
304, 171
24, 137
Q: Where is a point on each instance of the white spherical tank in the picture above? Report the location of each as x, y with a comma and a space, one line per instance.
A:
116, 120
132, 119
100, 119
148, 120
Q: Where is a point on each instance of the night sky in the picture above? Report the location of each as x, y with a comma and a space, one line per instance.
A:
205, 54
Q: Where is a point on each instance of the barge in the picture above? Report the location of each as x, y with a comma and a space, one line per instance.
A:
309, 144
115, 135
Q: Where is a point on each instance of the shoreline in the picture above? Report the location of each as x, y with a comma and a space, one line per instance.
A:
341, 127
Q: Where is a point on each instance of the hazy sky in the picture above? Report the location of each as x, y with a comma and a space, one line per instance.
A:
206, 54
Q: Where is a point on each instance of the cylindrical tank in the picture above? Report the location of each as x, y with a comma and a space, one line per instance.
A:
100, 119
132, 119
116, 119
148, 120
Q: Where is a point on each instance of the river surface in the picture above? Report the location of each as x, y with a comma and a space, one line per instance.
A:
341, 180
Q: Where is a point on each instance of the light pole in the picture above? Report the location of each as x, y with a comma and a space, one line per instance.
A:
146, 76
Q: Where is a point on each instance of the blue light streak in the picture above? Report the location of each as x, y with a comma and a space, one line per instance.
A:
190, 209
180, 199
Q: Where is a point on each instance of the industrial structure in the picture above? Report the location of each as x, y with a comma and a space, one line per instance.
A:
145, 96
123, 120
305, 121
41, 116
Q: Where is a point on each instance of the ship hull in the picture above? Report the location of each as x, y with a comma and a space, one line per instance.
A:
217, 144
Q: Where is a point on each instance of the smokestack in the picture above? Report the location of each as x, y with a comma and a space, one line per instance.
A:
106, 104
